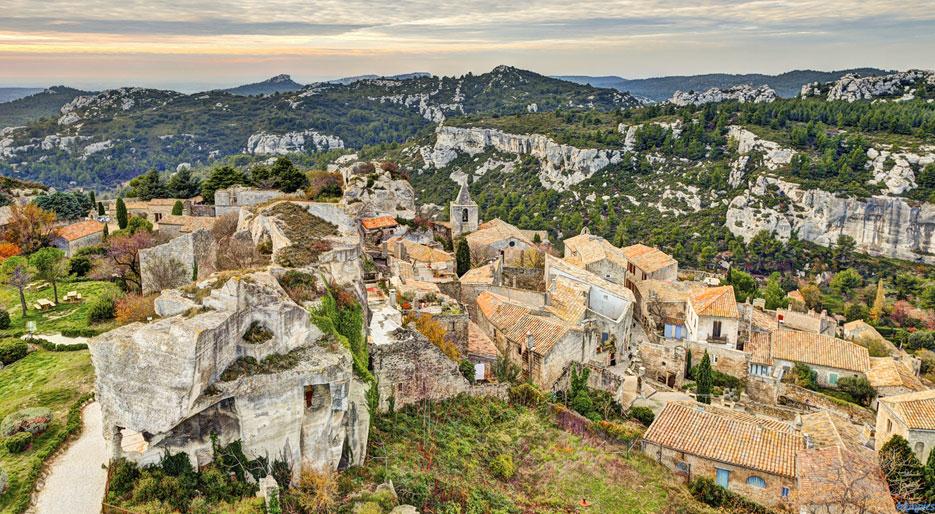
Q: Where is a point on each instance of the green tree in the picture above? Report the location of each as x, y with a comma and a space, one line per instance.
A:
773, 293
843, 248
137, 224
148, 186
688, 364
902, 469
92, 199
463, 256
50, 265
879, 303
927, 298
744, 284
221, 178
121, 214
177, 208
289, 178
100, 209
16, 272
183, 184
66, 206
859, 389
856, 310
703, 380
846, 281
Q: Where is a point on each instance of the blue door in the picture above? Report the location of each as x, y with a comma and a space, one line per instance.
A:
722, 477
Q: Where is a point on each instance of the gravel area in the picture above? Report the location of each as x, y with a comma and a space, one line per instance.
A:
76, 479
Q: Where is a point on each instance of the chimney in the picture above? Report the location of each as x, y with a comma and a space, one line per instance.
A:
502, 259
400, 249
530, 342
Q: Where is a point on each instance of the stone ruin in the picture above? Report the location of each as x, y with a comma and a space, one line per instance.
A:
234, 357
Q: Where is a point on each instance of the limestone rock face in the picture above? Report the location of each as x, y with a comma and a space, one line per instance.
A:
743, 93
881, 225
896, 170
378, 195
562, 165
774, 155
181, 379
851, 88
309, 140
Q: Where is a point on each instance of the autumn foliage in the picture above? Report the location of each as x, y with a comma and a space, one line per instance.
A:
435, 333
134, 307
9, 250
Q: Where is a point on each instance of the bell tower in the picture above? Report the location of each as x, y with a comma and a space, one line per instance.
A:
463, 214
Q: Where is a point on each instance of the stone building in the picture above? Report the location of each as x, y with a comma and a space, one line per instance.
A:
154, 210
239, 360
497, 239
172, 225
891, 377
233, 198
776, 353
78, 235
711, 316
464, 213
810, 321
748, 455
597, 255
911, 416
645, 262
428, 264
183, 259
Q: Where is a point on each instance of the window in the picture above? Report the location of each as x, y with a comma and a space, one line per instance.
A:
512, 243
785, 492
889, 425
716, 329
833, 378
755, 481
681, 467
464, 215
723, 477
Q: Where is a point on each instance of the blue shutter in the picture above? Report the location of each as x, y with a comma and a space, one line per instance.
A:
723, 476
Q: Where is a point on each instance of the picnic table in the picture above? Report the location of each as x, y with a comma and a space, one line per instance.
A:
44, 304
37, 286
72, 297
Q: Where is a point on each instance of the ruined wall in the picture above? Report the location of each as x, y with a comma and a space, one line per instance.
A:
456, 328
187, 250
662, 361
725, 360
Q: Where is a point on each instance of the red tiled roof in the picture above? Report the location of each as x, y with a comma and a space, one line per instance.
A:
81, 229
379, 222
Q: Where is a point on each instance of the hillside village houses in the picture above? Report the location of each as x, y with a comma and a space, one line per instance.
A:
70, 238
910, 415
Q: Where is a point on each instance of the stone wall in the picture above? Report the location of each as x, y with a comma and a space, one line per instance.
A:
663, 361
726, 360
523, 278
188, 250
799, 397
456, 328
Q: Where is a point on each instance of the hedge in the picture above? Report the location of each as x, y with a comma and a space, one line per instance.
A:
18, 442
54, 347
12, 350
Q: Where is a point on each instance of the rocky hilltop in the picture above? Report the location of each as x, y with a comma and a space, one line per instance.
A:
305, 141
742, 93
850, 88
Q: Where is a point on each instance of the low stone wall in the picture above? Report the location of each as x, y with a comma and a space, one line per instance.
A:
795, 396
524, 278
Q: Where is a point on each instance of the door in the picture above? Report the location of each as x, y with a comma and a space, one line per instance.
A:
716, 330
722, 477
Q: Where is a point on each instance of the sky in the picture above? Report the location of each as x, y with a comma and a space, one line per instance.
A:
195, 45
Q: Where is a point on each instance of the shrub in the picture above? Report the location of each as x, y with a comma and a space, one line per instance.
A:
34, 420
502, 466
805, 376
300, 286
103, 308
4, 319
324, 185
18, 442
317, 489
467, 369
80, 332
526, 394
625, 433
79, 266
12, 350
707, 491
134, 307
257, 333
642, 414
435, 333
858, 388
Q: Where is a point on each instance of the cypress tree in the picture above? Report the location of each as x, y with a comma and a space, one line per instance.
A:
688, 364
703, 380
177, 208
121, 214
463, 257
100, 209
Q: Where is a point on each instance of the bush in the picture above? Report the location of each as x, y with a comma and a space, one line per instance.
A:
642, 414
805, 376
467, 369
859, 389
707, 491
526, 394
502, 466
79, 266
34, 420
257, 333
103, 308
52, 347
12, 350
18, 442
134, 307
80, 332
625, 433
4, 319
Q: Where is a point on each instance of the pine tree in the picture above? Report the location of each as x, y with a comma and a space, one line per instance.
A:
177, 208
183, 184
902, 469
106, 231
121, 214
879, 303
703, 380
91, 197
463, 257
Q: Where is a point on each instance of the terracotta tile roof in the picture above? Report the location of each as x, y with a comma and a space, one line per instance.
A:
715, 301
647, 258
379, 222
726, 436
188, 223
796, 296
417, 251
586, 277
917, 409
479, 344
763, 320
568, 299
81, 229
585, 249
515, 321
480, 275
826, 428
667, 291
493, 231
888, 372
758, 348
818, 350
841, 480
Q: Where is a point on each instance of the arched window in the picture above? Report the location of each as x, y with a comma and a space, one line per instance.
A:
464, 215
756, 481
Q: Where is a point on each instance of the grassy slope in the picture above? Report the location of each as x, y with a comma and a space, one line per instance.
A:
42, 379
62, 316
443, 460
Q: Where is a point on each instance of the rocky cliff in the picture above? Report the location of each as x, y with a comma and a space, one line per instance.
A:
744, 93
307, 140
562, 165
881, 225
851, 87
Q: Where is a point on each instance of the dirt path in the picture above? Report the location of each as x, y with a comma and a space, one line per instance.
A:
75, 483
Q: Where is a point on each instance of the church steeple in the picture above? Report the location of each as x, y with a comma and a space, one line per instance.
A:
464, 212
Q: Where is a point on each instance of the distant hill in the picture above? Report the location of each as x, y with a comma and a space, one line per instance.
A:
661, 88
45, 103
277, 84
402, 76
8, 94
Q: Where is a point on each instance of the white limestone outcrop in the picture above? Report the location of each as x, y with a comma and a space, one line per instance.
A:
265, 143
881, 225
743, 93
562, 165
851, 87
774, 154
897, 170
